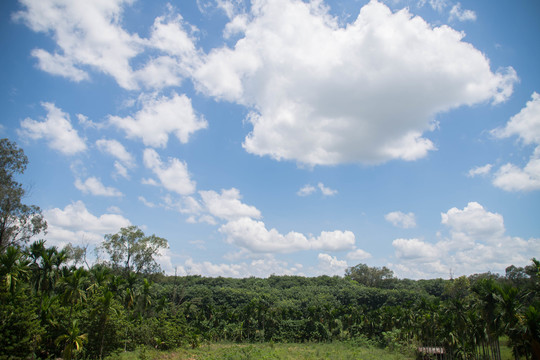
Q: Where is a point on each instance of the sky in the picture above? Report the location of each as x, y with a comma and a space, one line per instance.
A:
282, 137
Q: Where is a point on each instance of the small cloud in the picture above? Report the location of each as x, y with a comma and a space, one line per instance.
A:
114, 209
510, 177
56, 129
400, 219
199, 244
310, 189
227, 205
83, 120
149, 181
358, 254
480, 170
306, 190
173, 175
95, 187
462, 15
525, 125
325, 190
159, 117
146, 202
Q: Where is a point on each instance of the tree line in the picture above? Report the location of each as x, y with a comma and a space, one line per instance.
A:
54, 303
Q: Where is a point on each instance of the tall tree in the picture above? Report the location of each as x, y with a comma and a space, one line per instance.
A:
371, 276
131, 250
18, 222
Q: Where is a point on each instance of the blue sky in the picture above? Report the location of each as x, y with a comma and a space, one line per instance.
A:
282, 137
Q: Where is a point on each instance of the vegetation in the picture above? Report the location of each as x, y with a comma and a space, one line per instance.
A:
274, 351
51, 307
18, 222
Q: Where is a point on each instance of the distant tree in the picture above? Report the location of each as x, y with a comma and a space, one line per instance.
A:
131, 250
18, 222
371, 276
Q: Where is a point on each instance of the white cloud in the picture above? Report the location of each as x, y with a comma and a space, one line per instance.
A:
56, 129
330, 265
306, 190
169, 36
76, 225
326, 191
415, 249
525, 124
334, 240
121, 170
117, 150
149, 181
319, 92
159, 117
88, 33
310, 189
59, 65
358, 254
263, 267
400, 219
474, 222
254, 236
114, 209
174, 176
146, 202
95, 187
230, 7
227, 205
476, 242
480, 170
86, 123
510, 177
89, 36
437, 5
462, 15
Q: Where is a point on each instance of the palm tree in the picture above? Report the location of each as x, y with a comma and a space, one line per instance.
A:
73, 288
510, 306
13, 268
45, 266
103, 312
145, 297
72, 341
532, 334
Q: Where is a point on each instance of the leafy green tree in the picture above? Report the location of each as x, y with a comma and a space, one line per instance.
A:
131, 250
18, 222
371, 276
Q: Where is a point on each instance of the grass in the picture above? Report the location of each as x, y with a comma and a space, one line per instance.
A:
506, 351
306, 351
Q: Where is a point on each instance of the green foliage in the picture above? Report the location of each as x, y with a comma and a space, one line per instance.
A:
72, 341
50, 310
284, 351
372, 276
20, 330
130, 250
18, 222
